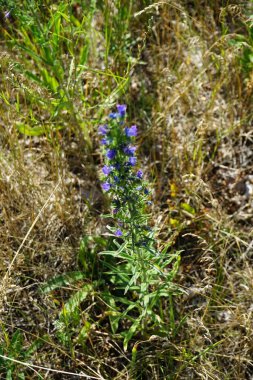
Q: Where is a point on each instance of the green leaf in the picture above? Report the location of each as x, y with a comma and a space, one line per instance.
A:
188, 208
113, 317
129, 334
132, 281
118, 272
50, 81
73, 303
180, 324
62, 280
16, 343
32, 54
31, 131
9, 374
39, 342
116, 253
34, 77
84, 333
126, 301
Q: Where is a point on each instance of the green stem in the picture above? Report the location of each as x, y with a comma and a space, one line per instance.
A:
141, 263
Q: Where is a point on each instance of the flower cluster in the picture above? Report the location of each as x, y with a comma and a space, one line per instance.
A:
121, 179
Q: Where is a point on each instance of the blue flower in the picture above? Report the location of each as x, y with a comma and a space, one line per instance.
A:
139, 188
102, 130
113, 115
121, 109
106, 170
132, 131
117, 166
106, 186
146, 191
104, 142
132, 161
129, 150
118, 233
139, 174
111, 153
116, 178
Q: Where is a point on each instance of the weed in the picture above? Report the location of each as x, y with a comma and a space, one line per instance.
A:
12, 349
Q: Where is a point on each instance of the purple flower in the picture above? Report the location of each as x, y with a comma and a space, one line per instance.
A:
132, 161
132, 131
111, 153
7, 14
129, 150
113, 115
104, 142
139, 188
139, 174
115, 211
146, 191
106, 170
106, 186
102, 130
118, 233
121, 109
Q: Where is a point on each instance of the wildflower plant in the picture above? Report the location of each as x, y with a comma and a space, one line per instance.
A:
122, 181
141, 275
131, 280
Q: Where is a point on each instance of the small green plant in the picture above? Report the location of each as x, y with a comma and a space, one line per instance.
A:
245, 42
129, 280
74, 325
141, 275
12, 349
54, 43
242, 40
58, 56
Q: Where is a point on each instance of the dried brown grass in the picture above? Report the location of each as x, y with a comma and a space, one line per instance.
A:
200, 120
194, 110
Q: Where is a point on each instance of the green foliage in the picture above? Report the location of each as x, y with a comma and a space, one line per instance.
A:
137, 270
245, 43
63, 280
128, 292
70, 318
12, 348
88, 255
116, 31
243, 40
135, 278
58, 54
144, 278
72, 324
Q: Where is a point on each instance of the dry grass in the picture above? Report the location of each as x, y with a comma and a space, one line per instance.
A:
201, 153
194, 109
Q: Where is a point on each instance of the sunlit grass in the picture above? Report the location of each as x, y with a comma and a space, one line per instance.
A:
185, 72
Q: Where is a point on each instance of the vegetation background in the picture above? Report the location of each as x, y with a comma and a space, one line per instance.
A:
184, 69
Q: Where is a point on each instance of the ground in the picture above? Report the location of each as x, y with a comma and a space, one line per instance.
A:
183, 72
